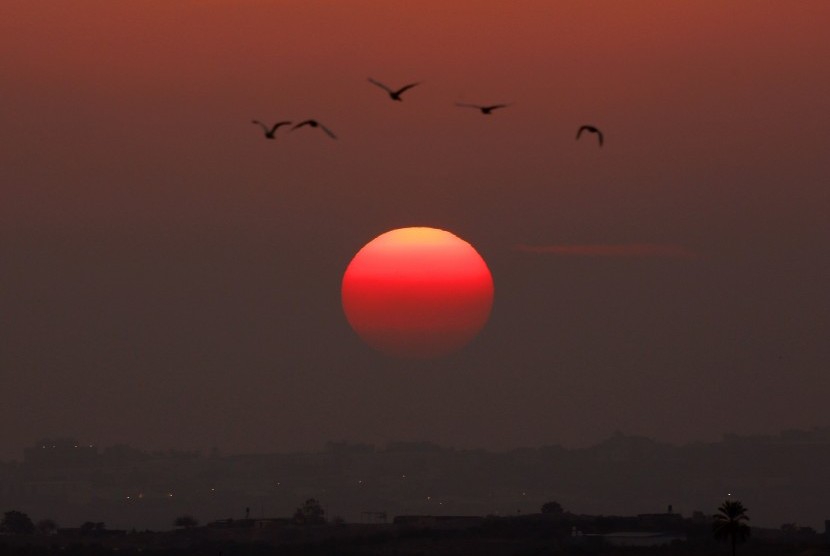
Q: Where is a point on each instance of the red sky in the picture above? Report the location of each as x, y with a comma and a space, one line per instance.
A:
170, 278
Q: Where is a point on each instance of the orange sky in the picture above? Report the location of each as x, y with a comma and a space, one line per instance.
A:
151, 239
100, 85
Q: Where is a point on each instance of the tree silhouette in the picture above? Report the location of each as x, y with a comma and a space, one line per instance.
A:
46, 526
310, 513
92, 527
186, 521
17, 523
730, 523
552, 507
87, 527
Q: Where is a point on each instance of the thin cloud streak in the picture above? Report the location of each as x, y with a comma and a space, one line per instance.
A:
641, 250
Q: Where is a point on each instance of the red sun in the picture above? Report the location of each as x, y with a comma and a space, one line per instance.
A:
417, 292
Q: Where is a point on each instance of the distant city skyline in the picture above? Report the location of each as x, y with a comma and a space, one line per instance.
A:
783, 478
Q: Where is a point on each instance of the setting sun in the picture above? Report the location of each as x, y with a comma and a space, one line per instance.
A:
417, 292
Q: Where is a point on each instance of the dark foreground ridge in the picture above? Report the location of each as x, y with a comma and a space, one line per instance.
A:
552, 533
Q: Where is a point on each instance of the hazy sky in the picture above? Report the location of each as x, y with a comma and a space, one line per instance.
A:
170, 278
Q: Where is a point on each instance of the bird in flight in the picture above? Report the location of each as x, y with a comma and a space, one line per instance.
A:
484, 109
315, 123
394, 95
591, 129
269, 131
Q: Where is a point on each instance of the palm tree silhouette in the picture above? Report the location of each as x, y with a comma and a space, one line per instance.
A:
730, 523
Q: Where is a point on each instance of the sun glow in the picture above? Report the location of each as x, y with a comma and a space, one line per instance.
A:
418, 292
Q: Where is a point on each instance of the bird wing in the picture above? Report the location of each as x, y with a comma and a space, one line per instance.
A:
262, 125
278, 125
581, 129
329, 132
301, 124
465, 105
406, 87
381, 85
599, 134
494, 106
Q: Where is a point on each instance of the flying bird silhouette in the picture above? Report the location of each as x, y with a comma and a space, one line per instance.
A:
269, 131
591, 129
315, 123
394, 95
484, 109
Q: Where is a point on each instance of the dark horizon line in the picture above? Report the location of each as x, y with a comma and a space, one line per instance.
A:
789, 434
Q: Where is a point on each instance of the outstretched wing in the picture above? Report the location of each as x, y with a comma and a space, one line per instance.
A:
465, 105
277, 125
329, 132
260, 124
381, 85
406, 87
592, 129
494, 106
301, 124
